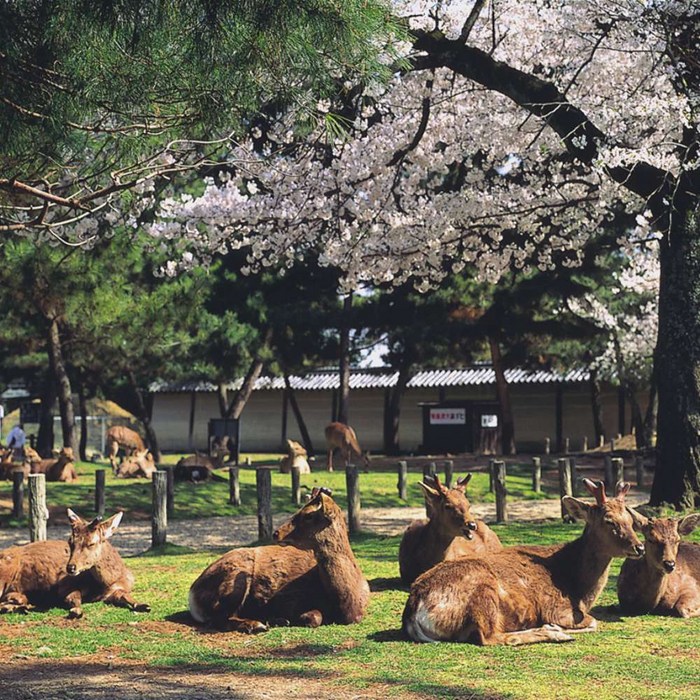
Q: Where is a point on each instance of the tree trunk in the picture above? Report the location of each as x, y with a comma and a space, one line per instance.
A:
82, 408
144, 416
63, 387
677, 475
391, 420
305, 437
44, 441
651, 413
243, 394
503, 394
344, 362
597, 407
222, 399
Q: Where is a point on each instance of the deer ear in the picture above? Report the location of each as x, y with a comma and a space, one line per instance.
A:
111, 524
462, 483
639, 521
74, 518
576, 508
621, 490
430, 492
688, 524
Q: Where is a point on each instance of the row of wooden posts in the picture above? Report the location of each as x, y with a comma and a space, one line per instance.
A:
164, 492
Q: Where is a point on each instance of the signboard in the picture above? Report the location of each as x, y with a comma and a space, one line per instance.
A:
448, 416
489, 420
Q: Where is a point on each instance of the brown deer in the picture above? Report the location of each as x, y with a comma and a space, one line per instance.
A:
342, 437
60, 469
523, 595
139, 464
121, 436
310, 576
296, 457
84, 569
667, 580
449, 532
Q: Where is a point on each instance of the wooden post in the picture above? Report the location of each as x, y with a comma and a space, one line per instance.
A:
499, 482
449, 471
585, 443
263, 484
159, 529
170, 489
100, 492
547, 445
618, 470
296, 485
491, 463
574, 476
38, 513
608, 473
639, 469
353, 487
565, 486
537, 474
403, 480
234, 487
17, 494
429, 470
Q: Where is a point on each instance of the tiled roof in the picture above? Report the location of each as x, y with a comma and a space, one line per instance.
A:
329, 380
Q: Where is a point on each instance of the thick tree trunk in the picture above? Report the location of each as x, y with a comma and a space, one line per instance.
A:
503, 394
222, 399
597, 407
393, 411
236, 406
44, 441
651, 413
305, 437
677, 476
63, 387
344, 362
82, 409
144, 415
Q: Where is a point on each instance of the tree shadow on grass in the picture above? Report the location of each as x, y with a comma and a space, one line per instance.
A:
607, 613
376, 585
395, 635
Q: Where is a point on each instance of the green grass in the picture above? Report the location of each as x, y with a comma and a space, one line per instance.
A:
643, 658
133, 496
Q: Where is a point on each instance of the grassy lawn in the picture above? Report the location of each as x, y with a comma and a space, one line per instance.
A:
644, 657
133, 496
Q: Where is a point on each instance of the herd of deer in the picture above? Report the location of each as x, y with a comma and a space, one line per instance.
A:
464, 585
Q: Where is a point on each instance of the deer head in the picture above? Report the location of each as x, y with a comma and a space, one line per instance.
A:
663, 537
87, 539
450, 507
610, 520
315, 515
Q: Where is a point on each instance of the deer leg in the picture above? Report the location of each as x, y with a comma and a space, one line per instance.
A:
245, 626
546, 633
311, 618
688, 606
122, 599
578, 622
330, 460
74, 601
15, 602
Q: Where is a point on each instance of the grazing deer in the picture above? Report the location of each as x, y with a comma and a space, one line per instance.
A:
296, 457
667, 580
60, 469
85, 569
139, 464
342, 437
523, 595
121, 436
449, 532
310, 576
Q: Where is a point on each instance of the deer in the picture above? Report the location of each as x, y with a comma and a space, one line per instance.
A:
296, 457
667, 580
449, 532
342, 437
527, 594
309, 576
84, 569
121, 436
60, 469
139, 464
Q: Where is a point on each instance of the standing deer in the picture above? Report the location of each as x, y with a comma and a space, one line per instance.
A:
83, 570
121, 436
449, 532
342, 437
523, 595
667, 580
310, 576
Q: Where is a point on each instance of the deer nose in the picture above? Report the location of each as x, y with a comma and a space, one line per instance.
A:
669, 565
639, 550
471, 525
70, 568
276, 535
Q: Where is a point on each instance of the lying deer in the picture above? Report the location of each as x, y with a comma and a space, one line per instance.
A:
60, 469
296, 457
310, 576
667, 580
449, 532
342, 437
121, 436
139, 464
523, 595
198, 467
83, 570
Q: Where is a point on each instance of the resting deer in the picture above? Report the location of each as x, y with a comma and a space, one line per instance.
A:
121, 436
449, 532
667, 580
139, 464
342, 437
60, 469
296, 457
83, 570
310, 576
523, 595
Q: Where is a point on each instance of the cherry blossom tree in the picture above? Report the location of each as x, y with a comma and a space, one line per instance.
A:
516, 134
